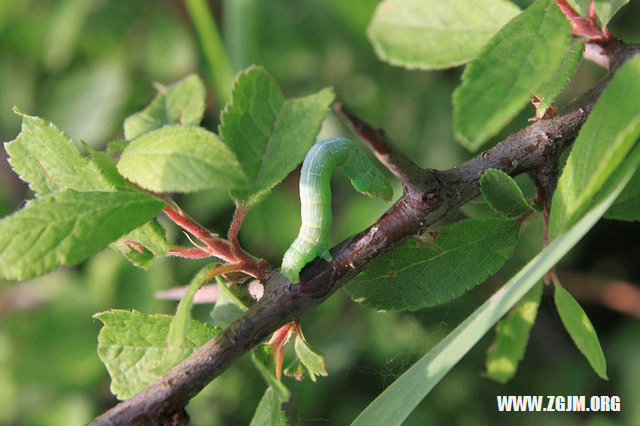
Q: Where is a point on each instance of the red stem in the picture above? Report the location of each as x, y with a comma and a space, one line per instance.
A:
216, 246
189, 252
278, 342
236, 222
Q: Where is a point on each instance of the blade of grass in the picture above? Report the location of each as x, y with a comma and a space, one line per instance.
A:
395, 404
239, 31
213, 49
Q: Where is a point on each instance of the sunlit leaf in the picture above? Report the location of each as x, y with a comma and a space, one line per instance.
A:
435, 34
179, 158
180, 103
605, 140
515, 63
132, 345
269, 134
512, 335
66, 227
45, 158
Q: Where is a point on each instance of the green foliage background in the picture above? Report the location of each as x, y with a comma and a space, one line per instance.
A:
87, 64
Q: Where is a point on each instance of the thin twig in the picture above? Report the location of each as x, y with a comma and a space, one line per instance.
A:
397, 162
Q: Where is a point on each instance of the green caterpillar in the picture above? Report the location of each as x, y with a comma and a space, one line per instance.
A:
315, 198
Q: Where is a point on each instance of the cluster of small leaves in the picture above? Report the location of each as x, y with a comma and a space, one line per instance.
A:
80, 208
515, 64
605, 140
86, 202
513, 57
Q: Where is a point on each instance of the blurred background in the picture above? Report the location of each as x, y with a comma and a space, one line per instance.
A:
87, 64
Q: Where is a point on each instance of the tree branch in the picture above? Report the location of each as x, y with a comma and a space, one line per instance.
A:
431, 198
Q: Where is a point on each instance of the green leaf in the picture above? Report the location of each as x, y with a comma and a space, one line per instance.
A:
228, 307
66, 227
280, 390
142, 258
393, 405
435, 34
512, 335
49, 161
580, 329
151, 237
45, 158
179, 103
604, 142
180, 322
627, 206
104, 162
117, 146
132, 345
181, 159
503, 194
561, 77
269, 134
312, 360
479, 209
418, 274
516, 63
605, 9
269, 411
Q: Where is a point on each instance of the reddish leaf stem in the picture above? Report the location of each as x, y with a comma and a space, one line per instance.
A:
189, 252
236, 222
216, 246
278, 342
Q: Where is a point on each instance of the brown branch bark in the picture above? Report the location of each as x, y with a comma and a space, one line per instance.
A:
432, 196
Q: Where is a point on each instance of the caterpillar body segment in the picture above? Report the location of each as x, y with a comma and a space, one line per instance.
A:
315, 198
